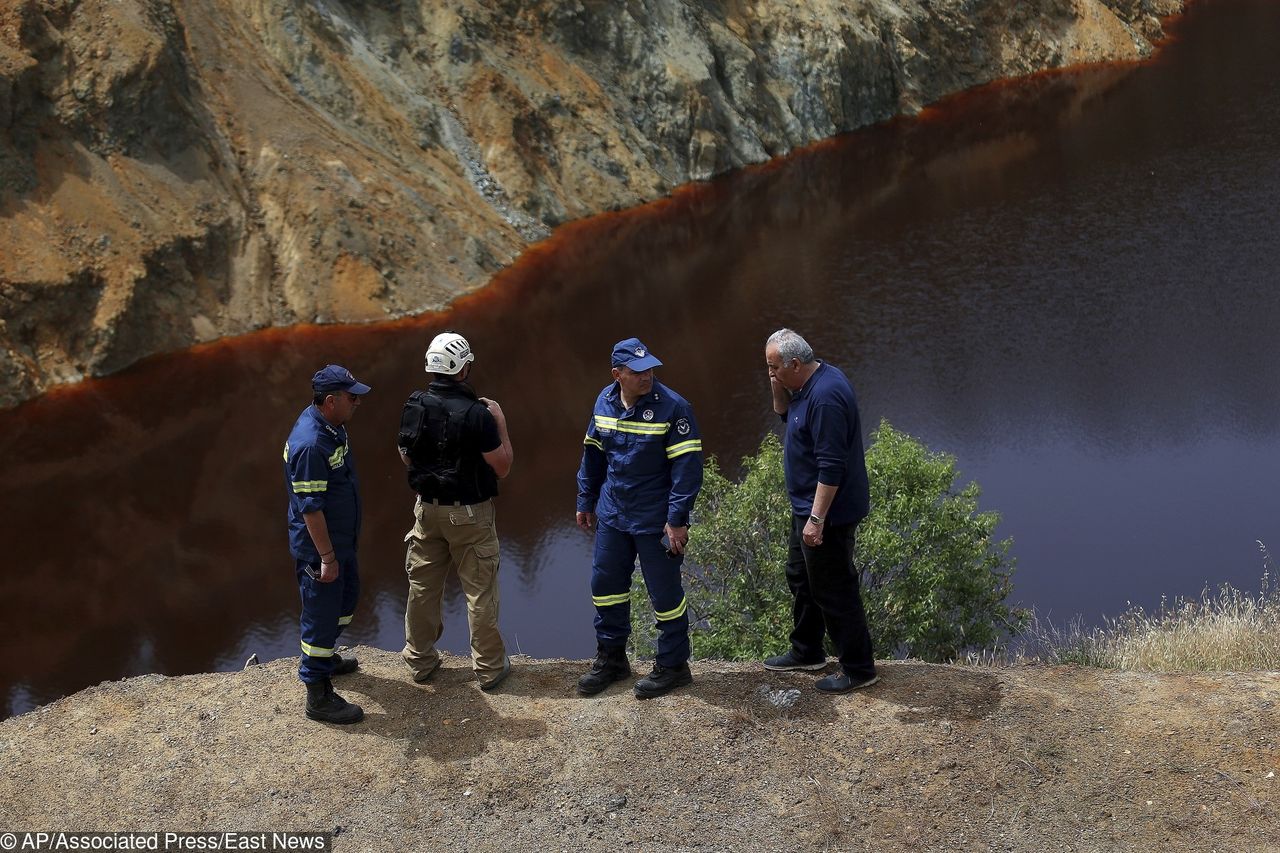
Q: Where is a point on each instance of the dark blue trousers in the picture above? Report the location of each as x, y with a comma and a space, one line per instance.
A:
613, 563
327, 608
828, 599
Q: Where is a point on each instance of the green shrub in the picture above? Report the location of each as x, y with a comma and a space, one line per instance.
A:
739, 604
934, 581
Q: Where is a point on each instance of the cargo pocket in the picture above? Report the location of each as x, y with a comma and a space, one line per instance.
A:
487, 556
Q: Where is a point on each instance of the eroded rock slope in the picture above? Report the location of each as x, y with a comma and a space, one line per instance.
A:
173, 171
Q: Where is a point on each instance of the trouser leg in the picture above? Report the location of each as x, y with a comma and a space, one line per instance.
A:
809, 625
612, 564
426, 563
670, 607
473, 544
834, 589
318, 627
349, 577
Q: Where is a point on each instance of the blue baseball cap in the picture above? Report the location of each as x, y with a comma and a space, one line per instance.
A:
635, 355
335, 377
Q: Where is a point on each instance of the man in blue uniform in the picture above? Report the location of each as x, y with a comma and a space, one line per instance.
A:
640, 475
324, 529
826, 477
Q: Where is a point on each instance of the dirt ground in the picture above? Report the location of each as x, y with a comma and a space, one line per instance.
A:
933, 757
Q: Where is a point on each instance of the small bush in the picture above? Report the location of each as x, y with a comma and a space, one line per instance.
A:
739, 604
934, 579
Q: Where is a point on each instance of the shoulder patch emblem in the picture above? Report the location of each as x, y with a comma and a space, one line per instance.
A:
682, 426
647, 414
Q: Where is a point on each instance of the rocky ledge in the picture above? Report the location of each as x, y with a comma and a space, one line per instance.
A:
1029, 758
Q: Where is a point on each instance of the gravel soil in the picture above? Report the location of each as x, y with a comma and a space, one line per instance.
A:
932, 758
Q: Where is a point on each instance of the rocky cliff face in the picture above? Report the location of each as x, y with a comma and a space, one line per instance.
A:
173, 171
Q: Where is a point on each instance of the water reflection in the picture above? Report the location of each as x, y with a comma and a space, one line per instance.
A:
1070, 283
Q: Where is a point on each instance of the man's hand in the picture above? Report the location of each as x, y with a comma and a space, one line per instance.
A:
494, 409
812, 534
329, 571
781, 396
587, 521
677, 536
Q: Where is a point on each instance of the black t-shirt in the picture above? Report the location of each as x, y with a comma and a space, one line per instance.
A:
480, 423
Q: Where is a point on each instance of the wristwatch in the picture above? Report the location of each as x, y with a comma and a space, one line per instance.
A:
817, 519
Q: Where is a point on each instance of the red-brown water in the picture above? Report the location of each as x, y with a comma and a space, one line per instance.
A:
1071, 282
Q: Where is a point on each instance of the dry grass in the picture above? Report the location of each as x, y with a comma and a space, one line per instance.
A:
1223, 630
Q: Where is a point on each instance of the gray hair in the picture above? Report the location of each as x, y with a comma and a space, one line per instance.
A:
790, 345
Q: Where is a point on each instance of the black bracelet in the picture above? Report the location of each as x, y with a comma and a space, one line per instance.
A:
327, 553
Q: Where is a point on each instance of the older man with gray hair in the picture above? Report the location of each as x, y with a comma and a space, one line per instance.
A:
827, 483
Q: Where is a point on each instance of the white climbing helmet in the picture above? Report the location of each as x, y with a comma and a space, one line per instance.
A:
448, 354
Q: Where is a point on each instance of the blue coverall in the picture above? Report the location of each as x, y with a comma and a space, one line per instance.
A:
641, 469
320, 476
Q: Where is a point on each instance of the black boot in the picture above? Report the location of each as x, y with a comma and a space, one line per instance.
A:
662, 680
344, 666
609, 666
328, 707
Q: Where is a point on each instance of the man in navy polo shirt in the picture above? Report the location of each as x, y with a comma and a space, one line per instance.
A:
324, 529
827, 484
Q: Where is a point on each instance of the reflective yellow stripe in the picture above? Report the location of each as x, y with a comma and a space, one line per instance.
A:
593, 442
643, 428
286, 451
639, 427
316, 651
610, 600
339, 456
303, 487
684, 447
673, 614
346, 620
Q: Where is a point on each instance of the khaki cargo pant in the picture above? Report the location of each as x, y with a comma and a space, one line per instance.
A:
465, 537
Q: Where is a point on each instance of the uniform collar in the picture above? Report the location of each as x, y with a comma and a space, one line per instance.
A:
325, 426
654, 396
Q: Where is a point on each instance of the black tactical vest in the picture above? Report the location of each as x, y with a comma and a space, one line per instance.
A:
445, 462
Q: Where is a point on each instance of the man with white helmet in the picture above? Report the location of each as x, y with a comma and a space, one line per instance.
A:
456, 448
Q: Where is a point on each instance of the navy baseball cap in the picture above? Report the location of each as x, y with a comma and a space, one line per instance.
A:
633, 354
335, 377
